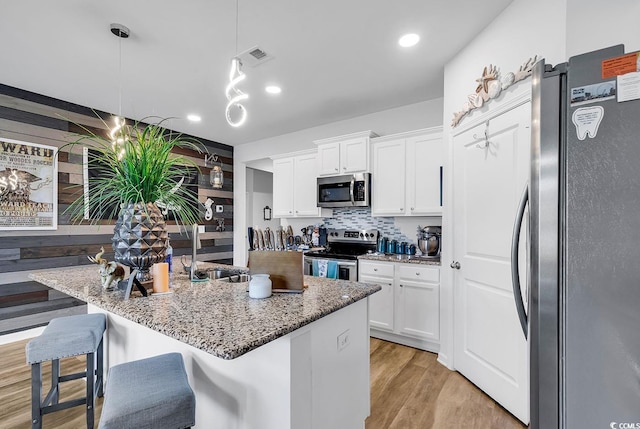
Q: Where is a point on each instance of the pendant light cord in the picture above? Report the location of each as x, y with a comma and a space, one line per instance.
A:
120, 76
237, 20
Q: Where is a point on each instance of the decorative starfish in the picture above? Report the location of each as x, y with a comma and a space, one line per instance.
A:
487, 76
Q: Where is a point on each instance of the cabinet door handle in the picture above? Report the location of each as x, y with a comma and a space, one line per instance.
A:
336, 168
401, 285
411, 208
297, 211
375, 269
455, 265
344, 168
417, 274
401, 209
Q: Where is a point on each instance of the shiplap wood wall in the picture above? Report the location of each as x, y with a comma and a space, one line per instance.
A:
34, 118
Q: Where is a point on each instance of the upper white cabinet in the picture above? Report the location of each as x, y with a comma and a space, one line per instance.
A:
344, 154
294, 186
407, 174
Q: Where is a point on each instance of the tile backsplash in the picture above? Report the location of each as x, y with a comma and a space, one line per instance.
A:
360, 218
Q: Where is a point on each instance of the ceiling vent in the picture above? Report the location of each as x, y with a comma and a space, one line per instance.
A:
254, 56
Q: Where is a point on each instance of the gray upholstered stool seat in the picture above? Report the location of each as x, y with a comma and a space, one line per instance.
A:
66, 337
149, 393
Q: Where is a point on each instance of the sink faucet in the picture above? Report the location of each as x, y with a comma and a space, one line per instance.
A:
195, 245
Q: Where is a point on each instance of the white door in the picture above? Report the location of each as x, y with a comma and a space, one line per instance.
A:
489, 347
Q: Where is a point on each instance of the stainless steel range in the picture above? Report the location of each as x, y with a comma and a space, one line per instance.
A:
344, 246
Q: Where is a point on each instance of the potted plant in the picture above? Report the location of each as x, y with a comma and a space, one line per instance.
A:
137, 171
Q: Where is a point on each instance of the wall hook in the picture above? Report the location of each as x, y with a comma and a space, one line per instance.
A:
484, 144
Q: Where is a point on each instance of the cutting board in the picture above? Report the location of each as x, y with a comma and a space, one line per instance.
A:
284, 269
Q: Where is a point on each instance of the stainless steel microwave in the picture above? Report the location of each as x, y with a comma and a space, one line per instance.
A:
350, 190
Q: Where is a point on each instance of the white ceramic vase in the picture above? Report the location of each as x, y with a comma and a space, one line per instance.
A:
260, 286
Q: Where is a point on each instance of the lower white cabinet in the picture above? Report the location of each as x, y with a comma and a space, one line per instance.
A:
407, 309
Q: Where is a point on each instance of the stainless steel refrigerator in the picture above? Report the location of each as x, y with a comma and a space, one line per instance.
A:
583, 307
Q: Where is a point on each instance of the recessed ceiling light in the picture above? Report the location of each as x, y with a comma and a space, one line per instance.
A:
272, 89
194, 118
409, 40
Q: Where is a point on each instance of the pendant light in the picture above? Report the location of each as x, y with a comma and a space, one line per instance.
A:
118, 134
233, 94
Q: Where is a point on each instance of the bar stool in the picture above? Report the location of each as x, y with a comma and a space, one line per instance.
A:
66, 337
151, 393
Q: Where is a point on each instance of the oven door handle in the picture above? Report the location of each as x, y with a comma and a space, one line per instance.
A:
346, 263
352, 186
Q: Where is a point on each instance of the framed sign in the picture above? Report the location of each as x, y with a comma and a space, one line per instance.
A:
28, 186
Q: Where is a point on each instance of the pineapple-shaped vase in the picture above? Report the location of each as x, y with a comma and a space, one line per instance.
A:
140, 237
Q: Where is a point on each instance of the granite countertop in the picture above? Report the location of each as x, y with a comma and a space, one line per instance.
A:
405, 259
216, 317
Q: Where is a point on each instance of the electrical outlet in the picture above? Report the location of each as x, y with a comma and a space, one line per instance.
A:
219, 208
201, 229
343, 340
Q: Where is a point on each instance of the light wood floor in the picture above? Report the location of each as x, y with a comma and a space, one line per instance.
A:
409, 390
15, 391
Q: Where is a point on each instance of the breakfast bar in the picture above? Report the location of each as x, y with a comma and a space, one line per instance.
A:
287, 361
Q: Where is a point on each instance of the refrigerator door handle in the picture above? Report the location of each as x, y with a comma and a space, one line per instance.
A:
515, 271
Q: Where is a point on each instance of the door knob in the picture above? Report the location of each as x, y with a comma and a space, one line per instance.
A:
455, 265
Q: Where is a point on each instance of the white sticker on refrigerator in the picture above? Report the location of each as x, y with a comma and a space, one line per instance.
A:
587, 120
629, 85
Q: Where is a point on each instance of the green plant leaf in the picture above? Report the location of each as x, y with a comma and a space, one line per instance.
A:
145, 171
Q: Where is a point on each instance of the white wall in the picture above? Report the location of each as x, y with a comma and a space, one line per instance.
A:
259, 195
595, 24
523, 30
406, 118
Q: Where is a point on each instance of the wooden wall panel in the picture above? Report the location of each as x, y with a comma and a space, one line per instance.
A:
35, 118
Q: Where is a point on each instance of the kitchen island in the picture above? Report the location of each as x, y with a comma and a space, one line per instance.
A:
288, 361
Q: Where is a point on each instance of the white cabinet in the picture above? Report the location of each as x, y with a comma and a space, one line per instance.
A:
418, 301
388, 178
283, 187
407, 309
344, 154
294, 186
407, 174
381, 307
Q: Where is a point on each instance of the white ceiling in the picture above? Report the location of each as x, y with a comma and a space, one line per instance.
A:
335, 59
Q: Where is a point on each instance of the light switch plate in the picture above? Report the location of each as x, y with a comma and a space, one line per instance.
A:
219, 208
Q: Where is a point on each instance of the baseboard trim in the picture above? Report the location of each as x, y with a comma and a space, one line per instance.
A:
428, 346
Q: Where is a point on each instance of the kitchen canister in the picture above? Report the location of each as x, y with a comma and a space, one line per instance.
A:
260, 286
401, 248
391, 246
382, 244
